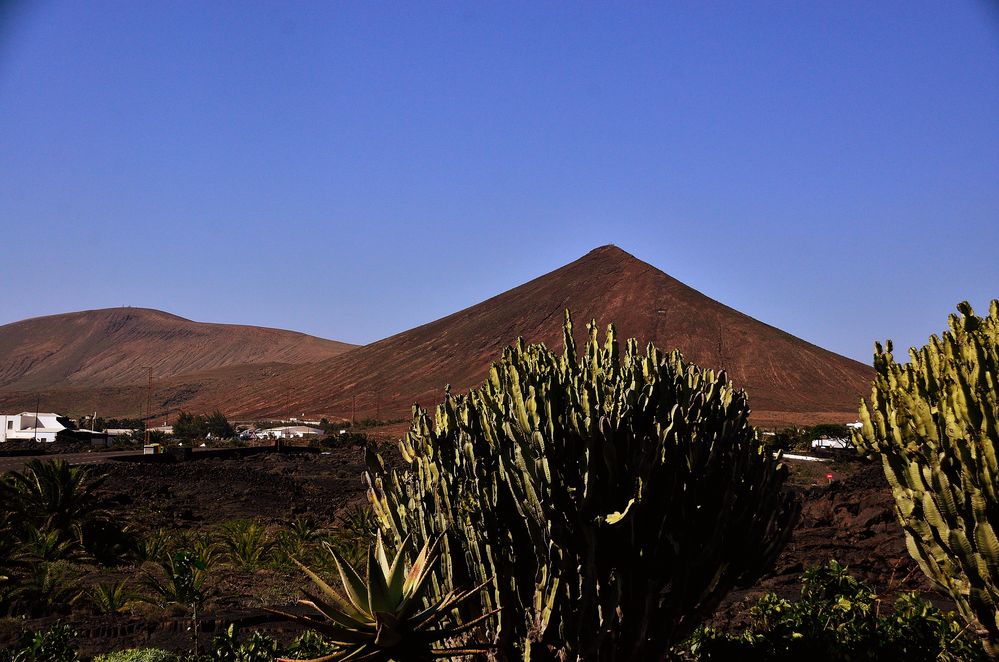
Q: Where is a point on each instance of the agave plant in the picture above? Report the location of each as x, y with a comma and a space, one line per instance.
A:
390, 615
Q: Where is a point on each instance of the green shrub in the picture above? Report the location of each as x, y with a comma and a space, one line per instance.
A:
138, 655
298, 542
199, 426
50, 498
183, 581
112, 598
156, 546
837, 619
308, 646
934, 422
246, 544
355, 530
257, 648
334, 440
55, 644
615, 497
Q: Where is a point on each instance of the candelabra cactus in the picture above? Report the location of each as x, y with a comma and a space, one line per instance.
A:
615, 498
934, 422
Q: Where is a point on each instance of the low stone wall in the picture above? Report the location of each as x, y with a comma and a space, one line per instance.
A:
187, 454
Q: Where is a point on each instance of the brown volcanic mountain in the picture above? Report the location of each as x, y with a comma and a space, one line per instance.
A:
100, 349
789, 380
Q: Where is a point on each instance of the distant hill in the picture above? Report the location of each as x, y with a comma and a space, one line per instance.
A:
111, 348
788, 379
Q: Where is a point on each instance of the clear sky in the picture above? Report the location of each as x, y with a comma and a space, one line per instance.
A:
353, 169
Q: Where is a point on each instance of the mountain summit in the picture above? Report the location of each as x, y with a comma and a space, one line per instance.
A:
788, 379
113, 347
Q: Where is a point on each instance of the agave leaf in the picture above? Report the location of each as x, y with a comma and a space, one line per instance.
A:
325, 658
418, 572
356, 589
430, 616
380, 553
461, 652
388, 635
335, 633
397, 573
379, 599
364, 652
450, 601
331, 593
464, 627
334, 614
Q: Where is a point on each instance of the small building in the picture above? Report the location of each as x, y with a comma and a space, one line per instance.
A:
28, 426
834, 443
289, 432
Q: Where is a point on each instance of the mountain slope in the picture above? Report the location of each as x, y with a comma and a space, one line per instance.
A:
112, 347
785, 376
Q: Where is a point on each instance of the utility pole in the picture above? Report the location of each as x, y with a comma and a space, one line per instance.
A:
149, 403
34, 435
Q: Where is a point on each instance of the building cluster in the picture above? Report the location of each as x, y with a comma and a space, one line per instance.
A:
283, 432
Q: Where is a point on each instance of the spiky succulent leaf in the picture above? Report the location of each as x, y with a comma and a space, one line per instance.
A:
380, 553
379, 599
355, 587
396, 575
341, 603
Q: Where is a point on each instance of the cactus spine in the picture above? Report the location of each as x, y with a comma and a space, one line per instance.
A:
615, 498
935, 424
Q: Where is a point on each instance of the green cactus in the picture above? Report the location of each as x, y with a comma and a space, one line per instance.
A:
615, 498
934, 422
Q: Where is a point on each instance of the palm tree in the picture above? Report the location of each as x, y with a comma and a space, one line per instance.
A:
113, 598
57, 498
53, 495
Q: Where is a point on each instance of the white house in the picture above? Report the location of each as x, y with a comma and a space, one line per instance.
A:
289, 432
837, 443
28, 426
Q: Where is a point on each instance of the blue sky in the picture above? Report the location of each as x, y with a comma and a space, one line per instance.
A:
352, 170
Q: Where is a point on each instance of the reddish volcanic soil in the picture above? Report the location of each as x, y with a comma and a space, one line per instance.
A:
851, 520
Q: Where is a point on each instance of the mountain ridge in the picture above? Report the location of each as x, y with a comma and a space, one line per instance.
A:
251, 372
115, 347
781, 372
